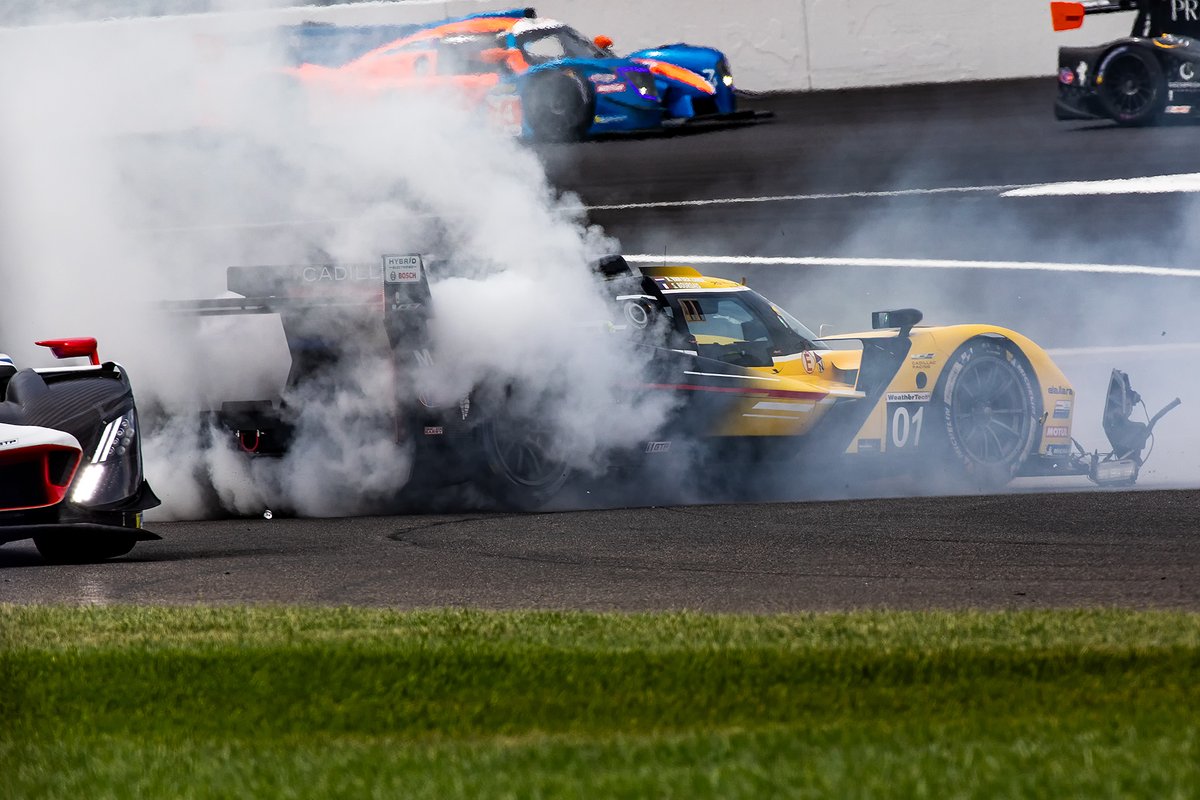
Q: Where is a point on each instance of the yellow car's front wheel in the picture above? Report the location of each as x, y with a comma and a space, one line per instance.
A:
987, 404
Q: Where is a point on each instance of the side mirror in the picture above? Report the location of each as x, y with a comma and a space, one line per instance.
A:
825, 330
603, 42
903, 318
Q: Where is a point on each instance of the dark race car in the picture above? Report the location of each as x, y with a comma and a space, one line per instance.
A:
975, 404
1138, 79
70, 458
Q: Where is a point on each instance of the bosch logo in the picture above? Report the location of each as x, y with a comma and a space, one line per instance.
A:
402, 269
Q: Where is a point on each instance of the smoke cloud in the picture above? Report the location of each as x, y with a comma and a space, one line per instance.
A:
145, 157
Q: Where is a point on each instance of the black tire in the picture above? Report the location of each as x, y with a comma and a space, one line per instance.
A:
558, 106
70, 547
987, 405
1131, 86
522, 472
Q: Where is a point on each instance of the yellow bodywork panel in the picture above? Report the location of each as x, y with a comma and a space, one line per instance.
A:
932, 350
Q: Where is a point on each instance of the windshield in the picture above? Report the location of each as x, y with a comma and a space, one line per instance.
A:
552, 44
740, 327
798, 327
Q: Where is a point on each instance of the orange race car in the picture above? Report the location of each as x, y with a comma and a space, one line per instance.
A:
535, 76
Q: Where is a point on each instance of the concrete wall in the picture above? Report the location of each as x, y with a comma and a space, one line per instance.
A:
810, 44
772, 44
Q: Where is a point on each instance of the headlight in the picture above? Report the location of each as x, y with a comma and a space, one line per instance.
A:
724, 73
113, 472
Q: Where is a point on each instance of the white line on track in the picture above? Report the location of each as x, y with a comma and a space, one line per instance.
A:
1128, 349
1159, 184
791, 198
714, 201
914, 263
1155, 184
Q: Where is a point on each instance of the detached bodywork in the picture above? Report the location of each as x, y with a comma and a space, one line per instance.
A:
968, 406
70, 458
534, 76
1153, 72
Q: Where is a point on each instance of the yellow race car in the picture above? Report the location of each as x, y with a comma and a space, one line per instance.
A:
980, 403
977, 404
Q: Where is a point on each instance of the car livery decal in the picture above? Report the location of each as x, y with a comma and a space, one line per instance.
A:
678, 74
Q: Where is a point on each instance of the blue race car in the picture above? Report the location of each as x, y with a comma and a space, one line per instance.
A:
536, 76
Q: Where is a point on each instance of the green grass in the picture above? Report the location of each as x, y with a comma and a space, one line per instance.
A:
235, 702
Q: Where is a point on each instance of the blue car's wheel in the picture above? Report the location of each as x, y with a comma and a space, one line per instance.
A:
558, 106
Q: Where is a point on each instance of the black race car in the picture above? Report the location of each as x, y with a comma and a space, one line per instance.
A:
70, 458
1138, 79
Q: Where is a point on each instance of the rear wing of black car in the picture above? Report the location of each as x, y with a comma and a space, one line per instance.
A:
1069, 16
330, 311
334, 311
1154, 17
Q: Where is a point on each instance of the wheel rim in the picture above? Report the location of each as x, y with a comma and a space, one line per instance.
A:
525, 459
558, 105
1128, 86
989, 411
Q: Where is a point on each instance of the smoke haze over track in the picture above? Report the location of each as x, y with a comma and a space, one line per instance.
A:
139, 167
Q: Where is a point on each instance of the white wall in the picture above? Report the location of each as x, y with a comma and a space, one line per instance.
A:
776, 44
810, 44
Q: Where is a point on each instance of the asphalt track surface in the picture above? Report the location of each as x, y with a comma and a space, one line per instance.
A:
911, 174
